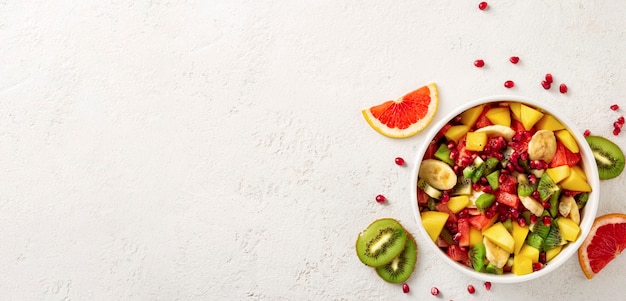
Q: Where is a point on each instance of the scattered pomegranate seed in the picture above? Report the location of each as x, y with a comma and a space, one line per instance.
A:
399, 161
405, 288
471, 289
381, 198
479, 63
620, 119
546, 85
434, 291
509, 84
547, 220
563, 88
615, 107
587, 133
617, 125
482, 5
616, 131
549, 79
488, 285
514, 59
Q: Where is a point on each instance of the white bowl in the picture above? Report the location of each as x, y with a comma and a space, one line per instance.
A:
588, 214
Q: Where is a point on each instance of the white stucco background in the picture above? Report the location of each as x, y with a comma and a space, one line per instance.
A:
215, 150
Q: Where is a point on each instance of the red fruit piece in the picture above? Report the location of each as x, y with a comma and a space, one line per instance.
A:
509, 199
399, 161
458, 254
482, 120
509, 84
549, 78
488, 285
615, 107
431, 150
514, 59
434, 291
380, 198
564, 156
422, 197
546, 85
464, 231
405, 288
481, 221
587, 133
471, 289
563, 88
482, 5
479, 63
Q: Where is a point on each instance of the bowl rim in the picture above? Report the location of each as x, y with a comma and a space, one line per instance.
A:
588, 215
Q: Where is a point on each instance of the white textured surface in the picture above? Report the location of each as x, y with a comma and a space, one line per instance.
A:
214, 150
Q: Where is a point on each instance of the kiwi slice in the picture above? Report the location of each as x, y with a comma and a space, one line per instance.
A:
609, 157
485, 200
524, 187
553, 239
492, 178
463, 186
581, 200
546, 187
380, 242
493, 269
477, 255
401, 267
554, 204
443, 154
534, 240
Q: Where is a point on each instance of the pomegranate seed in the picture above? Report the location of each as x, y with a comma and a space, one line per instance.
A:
533, 219
620, 119
434, 291
514, 59
488, 285
546, 85
509, 84
617, 125
563, 88
532, 179
615, 107
482, 5
546, 205
381, 198
471, 289
399, 161
479, 63
537, 266
542, 257
405, 288
547, 220
549, 79
616, 131
587, 133
521, 221
451, 145
535, 194
445, 197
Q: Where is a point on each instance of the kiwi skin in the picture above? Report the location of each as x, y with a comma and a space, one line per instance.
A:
609, 157
401, 267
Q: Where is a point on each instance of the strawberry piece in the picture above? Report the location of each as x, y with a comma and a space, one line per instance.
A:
481, 221
509, 199
441, 207
508, 184
430, 151
422, 197
564, 156
482, 120
464, 230
458, 254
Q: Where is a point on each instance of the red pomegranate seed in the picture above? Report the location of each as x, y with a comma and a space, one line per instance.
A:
563, 88
381, 198
509, 84
547, 220
445, 197
587, 133
542, 257
620, 119
546, 85
521, 221
434, 291
616, 131
514, 59
405, 288
533, 219
399, 161
615, 107
479, 63
488, 285
549, 79
482, 5
546, 205
471, 289
617, 125
537, 266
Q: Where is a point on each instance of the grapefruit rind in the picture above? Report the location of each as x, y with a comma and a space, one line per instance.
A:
583, 255
414, 128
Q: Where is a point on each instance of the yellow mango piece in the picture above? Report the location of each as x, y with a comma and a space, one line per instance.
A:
500, 236
519, 235
553, 252
476, 236
476, 141
559, 173
516, 109
575, 182
529, 116
568, 228
530, 252
470, 116
455, 132
522, 265
580, 171
568, 140
433, 222
457, 203
548, 122
499, 115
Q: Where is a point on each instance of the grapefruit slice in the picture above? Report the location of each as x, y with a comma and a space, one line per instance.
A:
606, 240
406, 116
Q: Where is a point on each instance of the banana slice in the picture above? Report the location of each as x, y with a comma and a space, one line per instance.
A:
497, 130
542, 146
568, 207
496, 255
532, 205
438, 174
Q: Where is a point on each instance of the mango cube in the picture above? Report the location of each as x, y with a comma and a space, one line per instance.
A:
470, 116
519, 235
500, 236
580, 171
522, 265
553, 252
476, 236
530, 252
455, 132
575, 182
548, 122
568, 140
433, 222
476, 141
457, 203
499, 115
568, 228
516, 109
559, 173
529, 116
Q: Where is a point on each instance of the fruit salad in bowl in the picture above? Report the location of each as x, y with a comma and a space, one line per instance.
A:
505, 188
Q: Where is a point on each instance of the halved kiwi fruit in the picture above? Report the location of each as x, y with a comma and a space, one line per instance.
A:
382, 241
401, 267
609, 157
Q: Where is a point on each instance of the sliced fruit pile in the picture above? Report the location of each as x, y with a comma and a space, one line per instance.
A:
606, 240
406, 116
501, 187
386, 246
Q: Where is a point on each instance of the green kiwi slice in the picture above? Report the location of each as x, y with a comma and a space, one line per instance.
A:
477, 255
382, 241
609, 157
401, 267
546, 187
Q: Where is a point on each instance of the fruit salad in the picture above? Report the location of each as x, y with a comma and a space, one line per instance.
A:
501, 188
